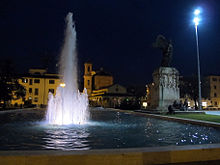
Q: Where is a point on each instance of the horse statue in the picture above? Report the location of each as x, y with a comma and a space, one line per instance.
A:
167, 49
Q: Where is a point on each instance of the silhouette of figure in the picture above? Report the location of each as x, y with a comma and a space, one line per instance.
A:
167, 49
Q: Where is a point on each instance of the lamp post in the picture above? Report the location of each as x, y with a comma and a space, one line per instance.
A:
196, 22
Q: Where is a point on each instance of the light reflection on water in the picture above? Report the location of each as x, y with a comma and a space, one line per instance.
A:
106, 129
66, 139
76, 137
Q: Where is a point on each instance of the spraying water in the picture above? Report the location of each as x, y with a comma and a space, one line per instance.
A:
69, 106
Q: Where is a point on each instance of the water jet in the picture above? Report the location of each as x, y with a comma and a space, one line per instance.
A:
69, 106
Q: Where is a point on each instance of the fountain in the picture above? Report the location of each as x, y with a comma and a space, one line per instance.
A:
69, 106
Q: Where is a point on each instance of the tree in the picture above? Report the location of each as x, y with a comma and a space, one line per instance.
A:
189, 88
5, 90
9, 86
19, 91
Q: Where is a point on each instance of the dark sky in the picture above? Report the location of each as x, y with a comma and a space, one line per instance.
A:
114, 34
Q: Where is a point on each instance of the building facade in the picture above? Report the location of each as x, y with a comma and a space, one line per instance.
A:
212, 85
95, 80
38, 83
112, 96
101, 89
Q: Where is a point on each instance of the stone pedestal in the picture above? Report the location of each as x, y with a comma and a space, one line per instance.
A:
165, 88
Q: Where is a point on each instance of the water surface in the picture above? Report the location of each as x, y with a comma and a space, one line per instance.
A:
105, 130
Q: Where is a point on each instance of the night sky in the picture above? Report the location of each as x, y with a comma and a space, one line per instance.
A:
114, 34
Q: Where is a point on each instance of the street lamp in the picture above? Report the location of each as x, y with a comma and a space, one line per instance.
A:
196, 21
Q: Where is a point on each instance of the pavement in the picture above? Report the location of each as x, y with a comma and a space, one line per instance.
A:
213, 113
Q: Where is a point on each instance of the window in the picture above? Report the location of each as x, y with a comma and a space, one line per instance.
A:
51, 90
214, 79
216, 103
36, 91
214, 86
51, 82
88, 68
116, 89
30, 90
38, 73
37, 81
88, 82
36, 99
215, 95
30, 82
24, 80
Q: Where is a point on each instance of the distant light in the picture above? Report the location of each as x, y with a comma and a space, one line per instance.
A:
196, 21
197, 12
204, 104
188, 103
145, 104
62, 85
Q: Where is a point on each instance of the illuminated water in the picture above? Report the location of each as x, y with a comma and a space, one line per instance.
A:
69, 106
105, 130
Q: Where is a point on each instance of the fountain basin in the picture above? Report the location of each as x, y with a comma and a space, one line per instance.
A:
106, 129
27, 139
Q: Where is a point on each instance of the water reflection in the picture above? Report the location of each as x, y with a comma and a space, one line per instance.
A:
67, 138
105, 130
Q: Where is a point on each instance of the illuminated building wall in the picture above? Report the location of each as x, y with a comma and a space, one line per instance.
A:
38, 84
101, 90
88, 74
213, 86
95, 80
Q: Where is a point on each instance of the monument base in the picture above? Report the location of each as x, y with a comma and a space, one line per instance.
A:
165, 88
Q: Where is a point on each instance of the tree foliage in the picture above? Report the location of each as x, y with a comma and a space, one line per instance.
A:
9, 86
189, 88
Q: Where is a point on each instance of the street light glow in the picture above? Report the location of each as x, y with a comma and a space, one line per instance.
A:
197, 12
62, 85
196, 21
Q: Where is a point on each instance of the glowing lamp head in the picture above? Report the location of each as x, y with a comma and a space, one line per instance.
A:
145, 104
62, 85
197, 12
196, 21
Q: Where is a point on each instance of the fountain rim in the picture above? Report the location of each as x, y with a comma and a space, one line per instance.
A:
148, 155
109, 151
